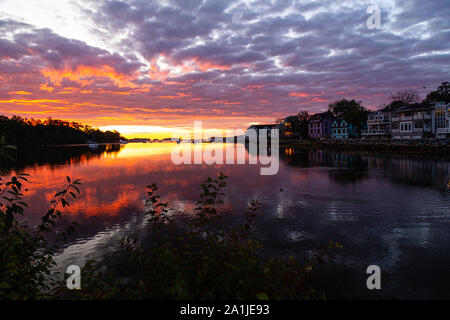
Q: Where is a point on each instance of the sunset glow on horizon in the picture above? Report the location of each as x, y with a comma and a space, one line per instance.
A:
146, 69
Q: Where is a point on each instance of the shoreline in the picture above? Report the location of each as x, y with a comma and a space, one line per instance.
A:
430, 147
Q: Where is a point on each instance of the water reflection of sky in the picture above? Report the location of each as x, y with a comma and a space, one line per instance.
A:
390, 211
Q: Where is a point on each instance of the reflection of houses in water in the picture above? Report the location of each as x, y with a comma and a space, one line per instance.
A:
320, 158
412, 170
316, 157
351, 167
256, 151
342, 159
289, 152
294, 156
333, 159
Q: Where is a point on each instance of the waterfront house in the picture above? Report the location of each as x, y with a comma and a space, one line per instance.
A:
442, 120
378, 124
413, 121
341, 129
294, 127
258, 127
320, 125
289, 127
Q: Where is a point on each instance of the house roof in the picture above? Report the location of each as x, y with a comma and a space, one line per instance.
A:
262, 126
384, 110
414, 106
340, 122
322, 115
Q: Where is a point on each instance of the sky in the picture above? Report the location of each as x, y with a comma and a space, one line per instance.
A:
148, 67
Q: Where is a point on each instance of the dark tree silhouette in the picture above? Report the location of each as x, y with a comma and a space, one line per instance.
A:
441, 94
406, 96
350, 110
22, 131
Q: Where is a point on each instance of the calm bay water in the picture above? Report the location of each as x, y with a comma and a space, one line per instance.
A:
392, 211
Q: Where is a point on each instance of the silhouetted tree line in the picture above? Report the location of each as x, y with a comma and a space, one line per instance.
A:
23, 131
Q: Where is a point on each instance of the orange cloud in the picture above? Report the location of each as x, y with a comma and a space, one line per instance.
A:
20, 92
299, 94
225, 102
115, 92
84, 75
179, 95
160, 69
205, 66
253, 87
155, 72
45, 87
32, 102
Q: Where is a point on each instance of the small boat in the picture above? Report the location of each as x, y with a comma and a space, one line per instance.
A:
92, 144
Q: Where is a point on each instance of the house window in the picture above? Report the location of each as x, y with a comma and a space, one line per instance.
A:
405, 127
440, 118
395, 125
418, 125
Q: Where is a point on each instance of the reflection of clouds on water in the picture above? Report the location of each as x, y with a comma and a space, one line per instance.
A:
387, 210
340, 211
100, 244
280, 211
296, 236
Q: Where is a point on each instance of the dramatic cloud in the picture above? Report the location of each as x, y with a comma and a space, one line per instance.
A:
230, 63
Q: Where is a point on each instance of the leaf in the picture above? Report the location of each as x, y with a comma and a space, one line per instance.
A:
4, 285
64, 203
262, 296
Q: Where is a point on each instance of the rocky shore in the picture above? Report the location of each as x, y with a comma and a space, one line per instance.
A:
424, 146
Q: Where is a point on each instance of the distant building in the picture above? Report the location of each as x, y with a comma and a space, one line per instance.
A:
341, 129
378, 124
139, 140
287, 126
320, 125
413, 121
258, 127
